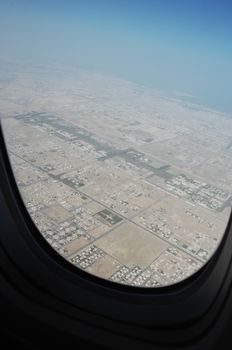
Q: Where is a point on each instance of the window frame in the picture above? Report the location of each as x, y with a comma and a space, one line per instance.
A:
173, 315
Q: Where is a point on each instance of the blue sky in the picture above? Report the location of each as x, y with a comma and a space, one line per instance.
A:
171, 45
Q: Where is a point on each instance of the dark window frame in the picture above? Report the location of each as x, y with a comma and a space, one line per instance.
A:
175, 315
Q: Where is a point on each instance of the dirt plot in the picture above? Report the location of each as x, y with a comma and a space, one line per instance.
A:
132, 245
58, 213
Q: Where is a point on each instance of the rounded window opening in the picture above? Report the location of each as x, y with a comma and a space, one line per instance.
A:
124, 170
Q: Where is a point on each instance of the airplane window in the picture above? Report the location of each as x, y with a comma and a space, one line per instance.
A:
117, 121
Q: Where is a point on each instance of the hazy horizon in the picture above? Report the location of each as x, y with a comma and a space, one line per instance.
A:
178, 47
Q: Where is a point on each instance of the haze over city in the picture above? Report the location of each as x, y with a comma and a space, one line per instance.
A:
182, 46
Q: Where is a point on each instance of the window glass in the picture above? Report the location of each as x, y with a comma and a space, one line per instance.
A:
117, 118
